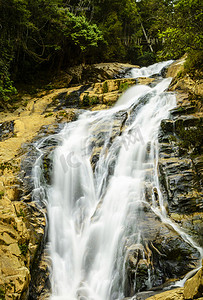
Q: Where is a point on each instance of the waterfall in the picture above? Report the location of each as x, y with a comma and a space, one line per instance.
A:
92, 216
151, 70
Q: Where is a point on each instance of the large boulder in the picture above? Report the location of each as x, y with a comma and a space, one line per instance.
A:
193, 288
161, 257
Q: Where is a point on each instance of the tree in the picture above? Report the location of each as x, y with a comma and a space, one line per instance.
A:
41, 33
119, 23
184, 33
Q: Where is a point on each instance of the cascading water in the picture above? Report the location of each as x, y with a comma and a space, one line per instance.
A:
93, 215
149, 71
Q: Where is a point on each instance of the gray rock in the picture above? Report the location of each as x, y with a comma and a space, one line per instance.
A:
6, 130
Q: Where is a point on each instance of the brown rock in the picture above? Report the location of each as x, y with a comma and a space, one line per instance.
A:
176, 67
110, 98
145, 80
194, 286
176, 294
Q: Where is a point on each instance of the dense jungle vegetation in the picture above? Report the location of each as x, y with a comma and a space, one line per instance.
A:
46, 36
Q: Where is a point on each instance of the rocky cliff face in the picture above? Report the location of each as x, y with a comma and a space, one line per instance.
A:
181, 160
22, 222
181, 169
193, 289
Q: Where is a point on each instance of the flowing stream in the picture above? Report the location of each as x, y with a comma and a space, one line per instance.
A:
92, 215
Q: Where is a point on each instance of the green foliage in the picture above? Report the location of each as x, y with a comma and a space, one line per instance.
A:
6, 85
20, 213
110, 103
120, 26
94, 101
194, 63
38, 34
86, 101
184, 31
6, 89
23, 247
147, 58
89, 101
180, 74
134, 52
48, 35
82, 33
154, 15
123, 87
48, 115
105, 87
1, 194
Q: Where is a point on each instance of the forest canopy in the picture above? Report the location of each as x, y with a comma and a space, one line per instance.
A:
50, 35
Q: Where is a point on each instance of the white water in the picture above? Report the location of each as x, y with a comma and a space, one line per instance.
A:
92, 217
151, 70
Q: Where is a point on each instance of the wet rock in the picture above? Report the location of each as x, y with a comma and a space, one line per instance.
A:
193, 288
176, 67
187, 121
101, 132
104, 71
113, 85
183, 110
145, 80
26, 173
70, 99
49, 141
23, 222
167, 126
198, 165
83, 74
188, 85
158, 291
142, 275
40, 285
47, 163
6, 130
161, 256
181, 186
180, 165
176, 294
106, 92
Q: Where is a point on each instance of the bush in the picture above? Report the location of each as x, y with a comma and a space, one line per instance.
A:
6, 85
146, 59
23, 247
194, 64
123, 87
105, 87
7, 90
88, 101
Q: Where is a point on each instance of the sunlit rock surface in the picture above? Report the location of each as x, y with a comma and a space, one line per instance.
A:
22, 223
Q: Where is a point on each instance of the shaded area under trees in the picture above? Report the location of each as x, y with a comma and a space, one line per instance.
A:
44, 36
